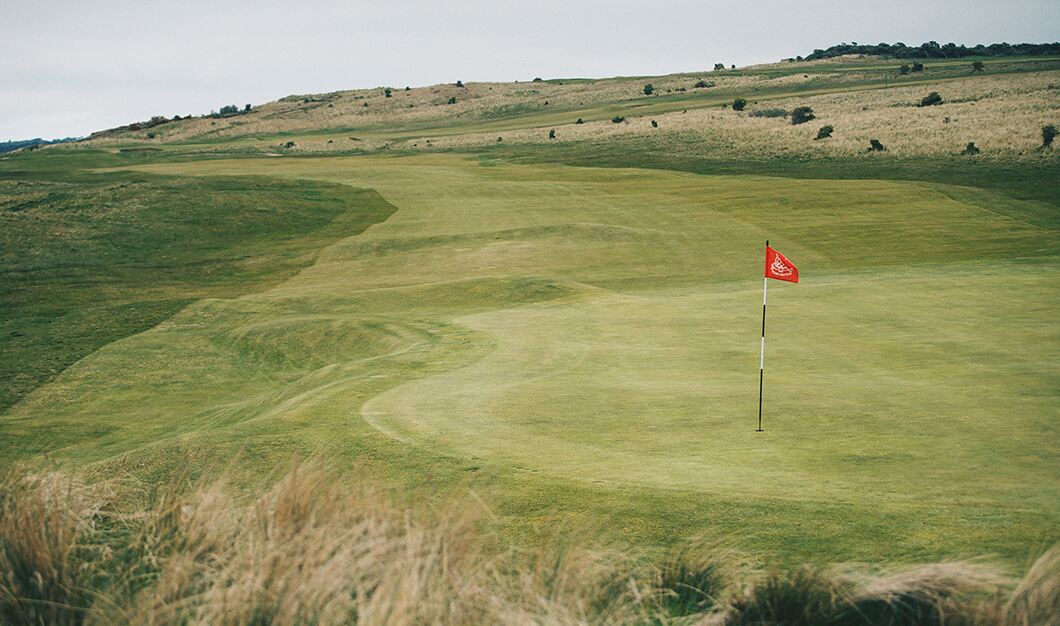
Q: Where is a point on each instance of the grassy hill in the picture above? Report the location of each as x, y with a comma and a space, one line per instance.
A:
444, 298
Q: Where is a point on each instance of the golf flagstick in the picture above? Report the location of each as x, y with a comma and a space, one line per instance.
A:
762, 354
778, 267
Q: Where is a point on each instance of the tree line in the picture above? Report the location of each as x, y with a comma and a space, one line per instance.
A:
934, 50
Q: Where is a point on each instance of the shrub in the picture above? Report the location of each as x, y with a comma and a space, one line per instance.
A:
876, 146
903, 69
229, 109
702, 84
719, 66
150, 135
289, 144
977, 66
918, 66
500, 139
552, 134
648, 89
1049, 133
579, 121
971, 149
802, 115
618, 119
931, 99
738, 104
407, 88
654, 124
689, 582
451, 100
459, 83
387, 92
538, 80
769, 113
825, 132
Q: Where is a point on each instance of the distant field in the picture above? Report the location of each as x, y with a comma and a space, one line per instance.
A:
581, 343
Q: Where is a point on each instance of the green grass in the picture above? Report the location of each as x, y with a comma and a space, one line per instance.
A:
88, 259
579, 344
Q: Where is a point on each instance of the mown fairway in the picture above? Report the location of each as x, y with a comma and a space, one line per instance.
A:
584, 342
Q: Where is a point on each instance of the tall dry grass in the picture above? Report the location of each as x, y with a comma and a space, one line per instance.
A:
317, 550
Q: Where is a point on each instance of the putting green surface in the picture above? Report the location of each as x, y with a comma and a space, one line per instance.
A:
598, 330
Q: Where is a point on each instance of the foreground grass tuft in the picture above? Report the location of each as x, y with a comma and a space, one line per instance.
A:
316, 550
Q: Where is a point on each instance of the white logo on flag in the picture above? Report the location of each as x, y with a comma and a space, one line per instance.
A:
779, 268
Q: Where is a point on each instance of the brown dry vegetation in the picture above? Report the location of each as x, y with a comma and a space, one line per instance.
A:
1002, 113
317, 550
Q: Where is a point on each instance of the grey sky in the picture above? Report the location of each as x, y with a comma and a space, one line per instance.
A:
72, 67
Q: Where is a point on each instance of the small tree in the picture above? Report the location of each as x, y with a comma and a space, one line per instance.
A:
738, 104
876, 146
802, 115
918, 66
388, 92
538, 80
246, 109
648, 89
719, 66
977, 66
451, 100
825, 132
552, 134
459, 83
971, 149
1049, 133
931, 99
407, 88
904, 69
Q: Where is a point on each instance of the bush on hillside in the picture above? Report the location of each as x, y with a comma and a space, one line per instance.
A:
1049, 133
538, 80
618, 119
552, 134
451, 101
459, 83
977, 66
648, 89
876, 146
580, 121
903, 69
387, 92
738, 104
654, 124
769, 113
801, 115
825, 132
971, 149
918, 66
931, 99
719, 66
702, 84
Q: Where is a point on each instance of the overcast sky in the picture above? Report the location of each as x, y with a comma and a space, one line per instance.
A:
70, 67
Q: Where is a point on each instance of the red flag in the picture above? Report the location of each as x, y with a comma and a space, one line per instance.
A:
779, 267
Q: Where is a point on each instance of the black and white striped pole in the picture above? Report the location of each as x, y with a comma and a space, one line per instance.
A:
762, 354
